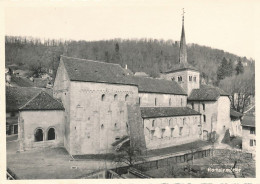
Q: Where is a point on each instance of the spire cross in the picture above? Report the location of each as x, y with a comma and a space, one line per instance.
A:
183, 12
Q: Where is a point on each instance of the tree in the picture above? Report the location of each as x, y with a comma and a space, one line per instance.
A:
241, 87
223, 70
239, 67
129, 155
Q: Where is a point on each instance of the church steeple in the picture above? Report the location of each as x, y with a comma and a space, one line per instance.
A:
183, 49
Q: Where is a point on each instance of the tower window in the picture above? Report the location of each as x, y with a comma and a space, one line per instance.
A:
194, 79
155, 101
204, 118
173, 78
102, 126
190, 78
170, 102
181, 101
139, 101
203, 106
180, 132
115, 97
252, 130
192, 105
179, 78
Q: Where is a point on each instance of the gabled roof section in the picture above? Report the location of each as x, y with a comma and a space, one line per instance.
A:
151, 85
206, 93
95, 71
248, 120
18, 96
43, 101
155, 112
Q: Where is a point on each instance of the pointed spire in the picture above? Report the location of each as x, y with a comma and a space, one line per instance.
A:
183, 49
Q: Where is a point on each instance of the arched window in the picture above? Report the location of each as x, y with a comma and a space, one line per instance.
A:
192, 105
38, 136
155, 101
126, 97
51, 134
153, 123
103, 97
190, 78
102, 126
115, 125
115, 97
194, 79
203, 106
173, 79
170, 102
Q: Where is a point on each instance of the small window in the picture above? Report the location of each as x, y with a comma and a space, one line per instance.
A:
192, 105
194, 79
152, 134
139, 101
115, 125
115, 97
153, 122
163, 130
251, 142
155, 101
173, 78
204, 118
181, 102
102, 126
180, 132
203, 106
190, 78
38, 136
183, 121
103, 97
117, 138
252, 130
127, 126
51, 134
179, 78
126, 97
170, 102
172, 130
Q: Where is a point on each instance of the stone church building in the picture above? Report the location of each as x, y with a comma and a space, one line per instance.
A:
97, 106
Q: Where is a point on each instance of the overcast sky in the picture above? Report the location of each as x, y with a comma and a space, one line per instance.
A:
228, 25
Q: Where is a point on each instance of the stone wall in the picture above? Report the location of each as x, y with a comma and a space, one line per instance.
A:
98, 115
162, 100
30, 121
61, 90
171, 131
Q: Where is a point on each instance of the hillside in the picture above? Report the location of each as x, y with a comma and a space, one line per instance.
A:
148, 55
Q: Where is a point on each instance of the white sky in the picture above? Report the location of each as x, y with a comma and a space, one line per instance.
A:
225, 24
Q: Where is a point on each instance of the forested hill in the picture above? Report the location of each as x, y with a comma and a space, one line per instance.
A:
148, 55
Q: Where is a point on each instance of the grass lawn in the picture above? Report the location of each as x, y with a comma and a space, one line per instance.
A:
51, 163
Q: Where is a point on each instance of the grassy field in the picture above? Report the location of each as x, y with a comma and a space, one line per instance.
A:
51, 163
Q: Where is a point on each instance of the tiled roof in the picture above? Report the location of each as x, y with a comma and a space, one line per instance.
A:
248, 120
95, 71
21, 82
181, 67
154, 112
43, 101
206, 93
235, 114
151, 85
18, 96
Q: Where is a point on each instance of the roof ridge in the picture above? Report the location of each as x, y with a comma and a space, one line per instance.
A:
30, 100
90, 60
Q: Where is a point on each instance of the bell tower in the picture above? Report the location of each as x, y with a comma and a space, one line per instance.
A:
188, 77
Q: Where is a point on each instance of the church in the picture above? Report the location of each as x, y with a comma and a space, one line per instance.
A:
96, 107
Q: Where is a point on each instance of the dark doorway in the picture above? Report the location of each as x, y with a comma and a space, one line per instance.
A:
15, 129
51, 134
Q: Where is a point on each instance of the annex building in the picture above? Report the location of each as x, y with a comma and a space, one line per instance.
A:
96, 107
